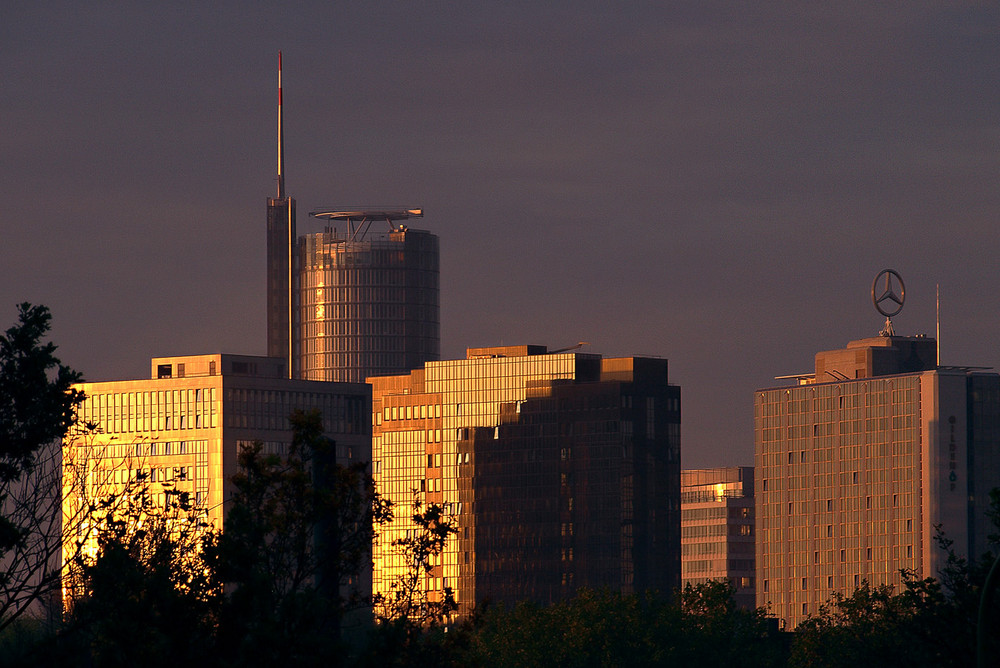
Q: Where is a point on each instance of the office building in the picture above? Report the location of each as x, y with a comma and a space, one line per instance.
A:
561, 469
346, 304
181, 429
368, 303
717, 529
858, 463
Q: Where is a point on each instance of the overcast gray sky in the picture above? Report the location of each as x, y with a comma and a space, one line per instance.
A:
713, 182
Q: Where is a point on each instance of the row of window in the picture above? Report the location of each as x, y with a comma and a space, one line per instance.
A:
421, 412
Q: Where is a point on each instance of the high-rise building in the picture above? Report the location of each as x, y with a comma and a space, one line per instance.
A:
368, 303
348, 304
562, 470
858, 464
717, 529
181, 429
281, 260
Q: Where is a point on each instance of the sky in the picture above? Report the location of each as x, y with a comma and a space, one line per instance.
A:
716, 183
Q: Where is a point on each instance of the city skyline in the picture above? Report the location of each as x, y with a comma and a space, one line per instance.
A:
716, 185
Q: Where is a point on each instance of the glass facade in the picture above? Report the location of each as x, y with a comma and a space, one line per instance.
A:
562, 470
983, 456
366, 307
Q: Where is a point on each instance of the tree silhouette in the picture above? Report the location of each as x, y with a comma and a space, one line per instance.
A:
295, 549
37, 408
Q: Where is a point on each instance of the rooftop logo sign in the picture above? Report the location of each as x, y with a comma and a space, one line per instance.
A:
888, 295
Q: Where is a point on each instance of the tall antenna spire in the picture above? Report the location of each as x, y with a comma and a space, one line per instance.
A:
281, 139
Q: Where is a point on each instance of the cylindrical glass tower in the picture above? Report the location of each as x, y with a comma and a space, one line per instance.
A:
367, 307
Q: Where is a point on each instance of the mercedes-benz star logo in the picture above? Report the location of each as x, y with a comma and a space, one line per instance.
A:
892, 291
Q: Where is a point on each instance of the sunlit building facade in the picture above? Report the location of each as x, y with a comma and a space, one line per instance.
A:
717, 529
368, 306
181, 429
858, 463
561, 469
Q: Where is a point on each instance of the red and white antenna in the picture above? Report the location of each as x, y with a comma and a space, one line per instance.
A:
281, 139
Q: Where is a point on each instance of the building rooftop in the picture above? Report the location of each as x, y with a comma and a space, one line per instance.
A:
874, 356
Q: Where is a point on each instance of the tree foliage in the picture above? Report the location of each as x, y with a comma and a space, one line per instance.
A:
37, 408
37, 402
926, 622
407, 598
298, 533
700, 625
147, 596
411, 621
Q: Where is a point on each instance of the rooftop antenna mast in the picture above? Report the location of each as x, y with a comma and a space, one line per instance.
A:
937, 318
281, 138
